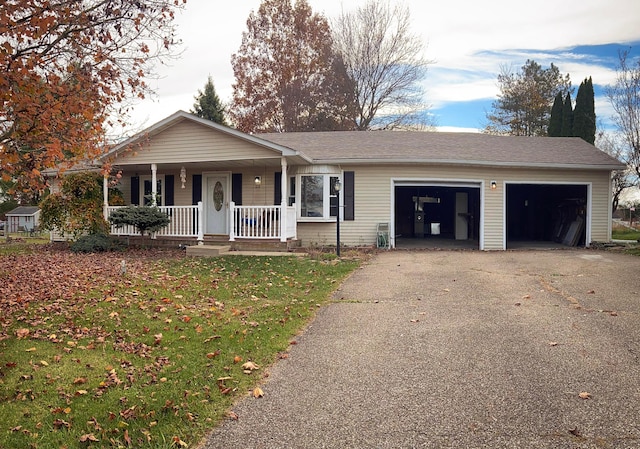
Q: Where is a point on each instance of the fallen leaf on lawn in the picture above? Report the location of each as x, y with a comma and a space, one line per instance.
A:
22, 333
213, 354
43, 363
79, 380
250, 366
17, 428
237, 359
158, 339
81, 392
257, 392
178, 442
585, 395
30, 349
88, 437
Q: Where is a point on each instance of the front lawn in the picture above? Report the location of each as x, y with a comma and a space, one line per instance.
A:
149, 352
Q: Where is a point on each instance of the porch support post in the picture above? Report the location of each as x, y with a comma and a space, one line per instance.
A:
154, 184
283, 200
200, 216
105, 196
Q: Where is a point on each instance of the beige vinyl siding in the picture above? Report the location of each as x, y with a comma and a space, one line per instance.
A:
373, 196
191, 142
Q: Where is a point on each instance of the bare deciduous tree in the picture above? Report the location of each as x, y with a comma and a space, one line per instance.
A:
620, 179
384, 60
624, 96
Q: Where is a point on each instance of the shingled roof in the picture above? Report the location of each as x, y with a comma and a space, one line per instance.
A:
384, 147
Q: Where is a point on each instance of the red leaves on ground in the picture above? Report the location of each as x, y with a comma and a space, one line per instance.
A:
55, 282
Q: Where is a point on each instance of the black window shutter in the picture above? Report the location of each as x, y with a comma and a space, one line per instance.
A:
168, 190
277, 188
349, 195
236, 188
196, 189
135, 190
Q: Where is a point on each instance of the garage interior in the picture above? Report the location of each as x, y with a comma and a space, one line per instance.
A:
430, 216
546, 214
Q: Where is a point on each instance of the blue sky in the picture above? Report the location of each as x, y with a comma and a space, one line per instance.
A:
467, 40
602, 60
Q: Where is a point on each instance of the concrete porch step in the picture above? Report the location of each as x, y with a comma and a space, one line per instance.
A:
225, 250
207, 250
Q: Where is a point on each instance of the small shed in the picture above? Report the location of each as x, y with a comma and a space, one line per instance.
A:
23, 218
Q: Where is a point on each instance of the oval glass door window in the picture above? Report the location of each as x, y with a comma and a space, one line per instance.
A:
218, 196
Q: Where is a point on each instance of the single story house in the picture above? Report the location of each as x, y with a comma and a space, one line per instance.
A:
23, 219
218, 183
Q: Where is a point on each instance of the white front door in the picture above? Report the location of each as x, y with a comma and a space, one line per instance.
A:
217, 203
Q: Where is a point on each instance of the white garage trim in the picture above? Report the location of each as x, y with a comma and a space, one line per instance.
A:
565, 183
435, 182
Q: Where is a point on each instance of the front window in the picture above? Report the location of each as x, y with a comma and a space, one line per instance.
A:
317, 197
147, 193
312, 196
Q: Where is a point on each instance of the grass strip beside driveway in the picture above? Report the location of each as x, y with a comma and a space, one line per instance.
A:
150, 355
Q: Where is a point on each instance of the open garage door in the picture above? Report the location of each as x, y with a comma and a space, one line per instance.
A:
546, 214
437, 216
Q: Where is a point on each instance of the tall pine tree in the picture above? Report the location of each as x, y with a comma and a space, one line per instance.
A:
567, 117
208, 105
584, 115
555, 121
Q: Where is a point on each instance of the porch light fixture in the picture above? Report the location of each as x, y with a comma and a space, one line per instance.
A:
494, 185
257, 181
183, 176
337, 186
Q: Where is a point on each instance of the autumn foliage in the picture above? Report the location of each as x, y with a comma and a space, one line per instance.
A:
66, 69
287, 76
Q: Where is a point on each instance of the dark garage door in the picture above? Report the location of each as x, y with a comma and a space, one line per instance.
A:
437, 206
554, 213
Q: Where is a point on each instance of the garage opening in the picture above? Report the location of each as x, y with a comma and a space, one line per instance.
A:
551, 214
437, 216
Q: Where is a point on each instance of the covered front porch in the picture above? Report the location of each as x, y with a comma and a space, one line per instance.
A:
261, 223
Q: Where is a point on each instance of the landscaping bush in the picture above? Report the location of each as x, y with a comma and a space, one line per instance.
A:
95, 243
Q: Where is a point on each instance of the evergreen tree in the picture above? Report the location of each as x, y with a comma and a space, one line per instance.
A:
567, 117
555, 121
208, 105
523, 107
584, 115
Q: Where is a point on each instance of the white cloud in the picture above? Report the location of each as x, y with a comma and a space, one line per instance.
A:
468, 39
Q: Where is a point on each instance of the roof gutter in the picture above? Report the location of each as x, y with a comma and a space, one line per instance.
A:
355, 161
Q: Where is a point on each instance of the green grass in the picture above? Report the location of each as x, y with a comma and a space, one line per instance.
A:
154, 358
621, 233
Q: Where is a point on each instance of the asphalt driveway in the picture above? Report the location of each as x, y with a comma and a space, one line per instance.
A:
461, 349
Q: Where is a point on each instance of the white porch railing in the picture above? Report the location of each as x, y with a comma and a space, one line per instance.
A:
247, 222
186, 221
262, 222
